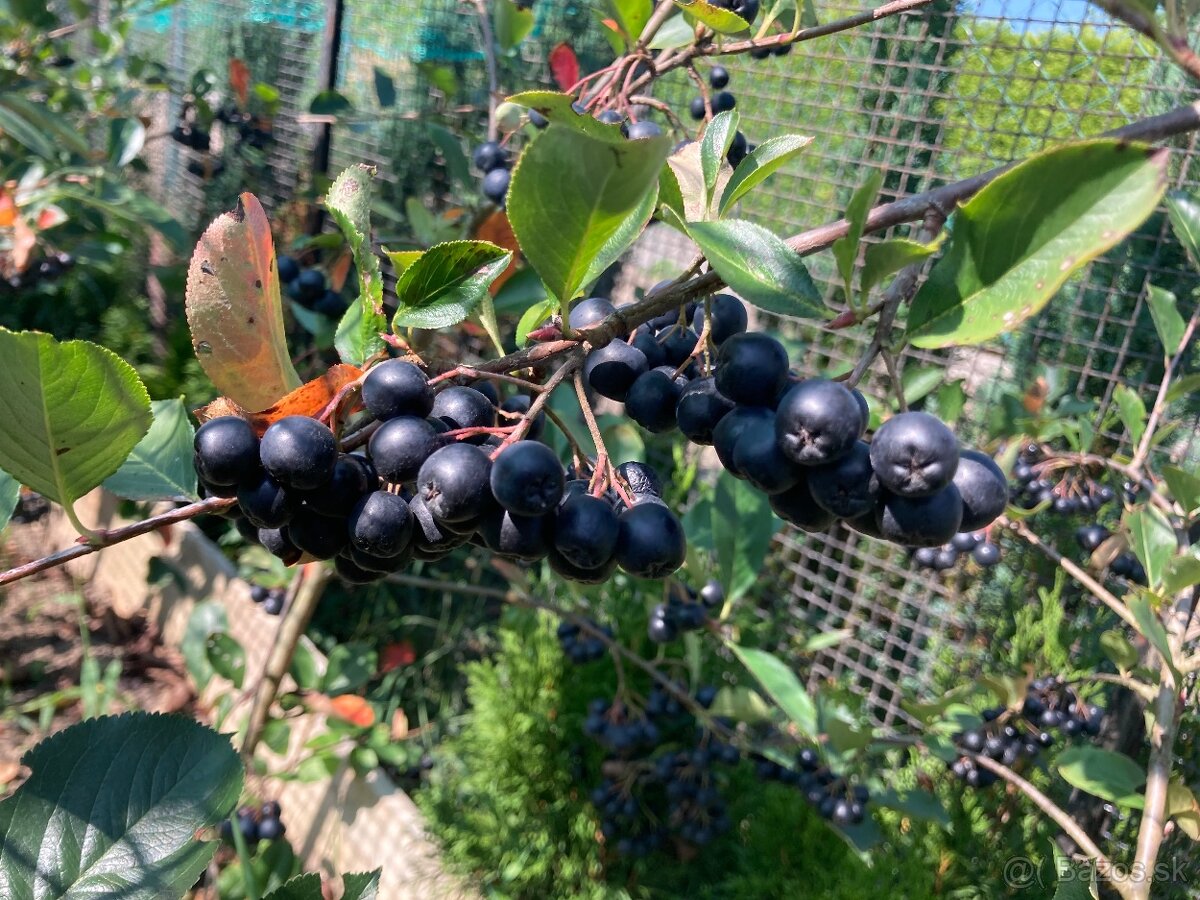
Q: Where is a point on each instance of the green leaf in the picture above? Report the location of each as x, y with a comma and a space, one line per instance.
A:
385, 89
350, 666
623, 237
1182, 807
361, 886
277, 734
306, 886
1184, 486
919, 382
1150, 626
1184, 214
888, 257
51, 124
330, 103
1167, 321
10, 495
1183, 386
1132, 412
767, 158
915, 803
759, 266
304, 669
226, 657
845, 249
822, 640
349, 202
1056, 211
744, 527
1074, 879
1181, 572
511, 24
681, 183
72, 412
742, 704
632, 15
556, 107
160, 467
125, 140
450, 146
207, 618
722, 21
718, 136
17, 127
1102, 773
1152, 540
782, 686
1118, 649
570, 194
676, 32
532, 318
931, 711
446, 283
123, 797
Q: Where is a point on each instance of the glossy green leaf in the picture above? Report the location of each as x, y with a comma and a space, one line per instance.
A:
571, 193
1102, 773
72, 412
1181, 572
1184, 486
123, 797
845, 249
759, 266
743, 526
306, 886
10, 496
385, 89
160, 467
277, 734
361, 886
1131, 411
722, 21
1118, 649
534, 316
782, 686
446, 283
450, 146
1056, 212
556, 107
767, 158
1150, 626
125, 140
1167, 321
714, 146
1152, 540
1184, 214
686, 192
623, 237
227, 657
358, 336
511, 24
676, 32
632, 15
888, 257
1184, 386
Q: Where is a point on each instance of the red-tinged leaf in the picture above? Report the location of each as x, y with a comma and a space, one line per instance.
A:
8, 209
353, 709
234, 310
396, 656
340, 271
564, 65
24, 240
50, 216
545, 333
843, 319
307, 400
239, 80
611, 25
496, 230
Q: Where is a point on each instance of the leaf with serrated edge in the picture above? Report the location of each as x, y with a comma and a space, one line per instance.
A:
361, 885
448, 281
714, 147
1016, 242
160, 467
402, 259
112, 808
759, 266
306, 886
72, 412
766, 159
719, 20
688, 185
845, 249
1184, 213
782, 685
234, 309
571, 193
1167, 320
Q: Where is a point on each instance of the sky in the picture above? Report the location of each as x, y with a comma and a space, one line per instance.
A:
1038, 13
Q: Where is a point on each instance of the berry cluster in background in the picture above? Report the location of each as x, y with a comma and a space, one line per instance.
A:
39, 269
308, 287
724, 101
973, 544
255, 824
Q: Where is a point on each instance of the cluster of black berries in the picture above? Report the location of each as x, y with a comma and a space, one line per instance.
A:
723, 101
271, 599
1070, 495
798, 441
249, 130
31, 507
646, 798
686, 609
434, 477
40, 269
966, 543
191, 135
580, 647
493, 161
262, 824
307, 287
1124, 565
834, 798
1050, 704
747, 9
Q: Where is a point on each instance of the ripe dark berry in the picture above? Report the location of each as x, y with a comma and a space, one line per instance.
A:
730, 430
495, 185
299, 452
738, 149
712, 595
818, 421
723, 102
590, 311
661, 629
519, 404
381, 565
1089, 537
400, 447
226, 451
537, 120
983, 488
560, 565
612, 369
610, 117
270, 829
847, 486
527, 478
986, 555
914, 454
515, 536
381, 525
927, 521
678, 342
353, 476
752, 369
650, 541
718, 77
454, 482
323, 537
726, 315
652, 398
944, 559
397, 388
489, 156
640, 131
925, 557
287, 268
697, 108
966, 541
797, 506
310, 286
641, 478
352, 573
586, 531
278, 544
700, 409
464, 407
759, 460
265, 503
646, 340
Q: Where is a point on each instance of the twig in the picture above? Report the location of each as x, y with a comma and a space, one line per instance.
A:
539, 402
1158, 778
1160, 401
464, 371
657, 19
487, 39
117, 535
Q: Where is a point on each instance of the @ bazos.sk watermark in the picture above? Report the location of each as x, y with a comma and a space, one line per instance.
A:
1024, 871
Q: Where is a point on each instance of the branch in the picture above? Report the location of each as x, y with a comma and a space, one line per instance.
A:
489, 54
116, 536
1158, 779
662, 12
1160, 401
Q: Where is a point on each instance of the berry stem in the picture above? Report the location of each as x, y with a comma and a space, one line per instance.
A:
464, 371
539, 402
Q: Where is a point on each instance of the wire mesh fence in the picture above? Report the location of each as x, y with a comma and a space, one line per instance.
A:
927, 98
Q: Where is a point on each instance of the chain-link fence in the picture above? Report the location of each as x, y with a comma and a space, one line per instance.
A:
927, 98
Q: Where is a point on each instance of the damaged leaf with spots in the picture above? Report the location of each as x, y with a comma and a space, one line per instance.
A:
307, 400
